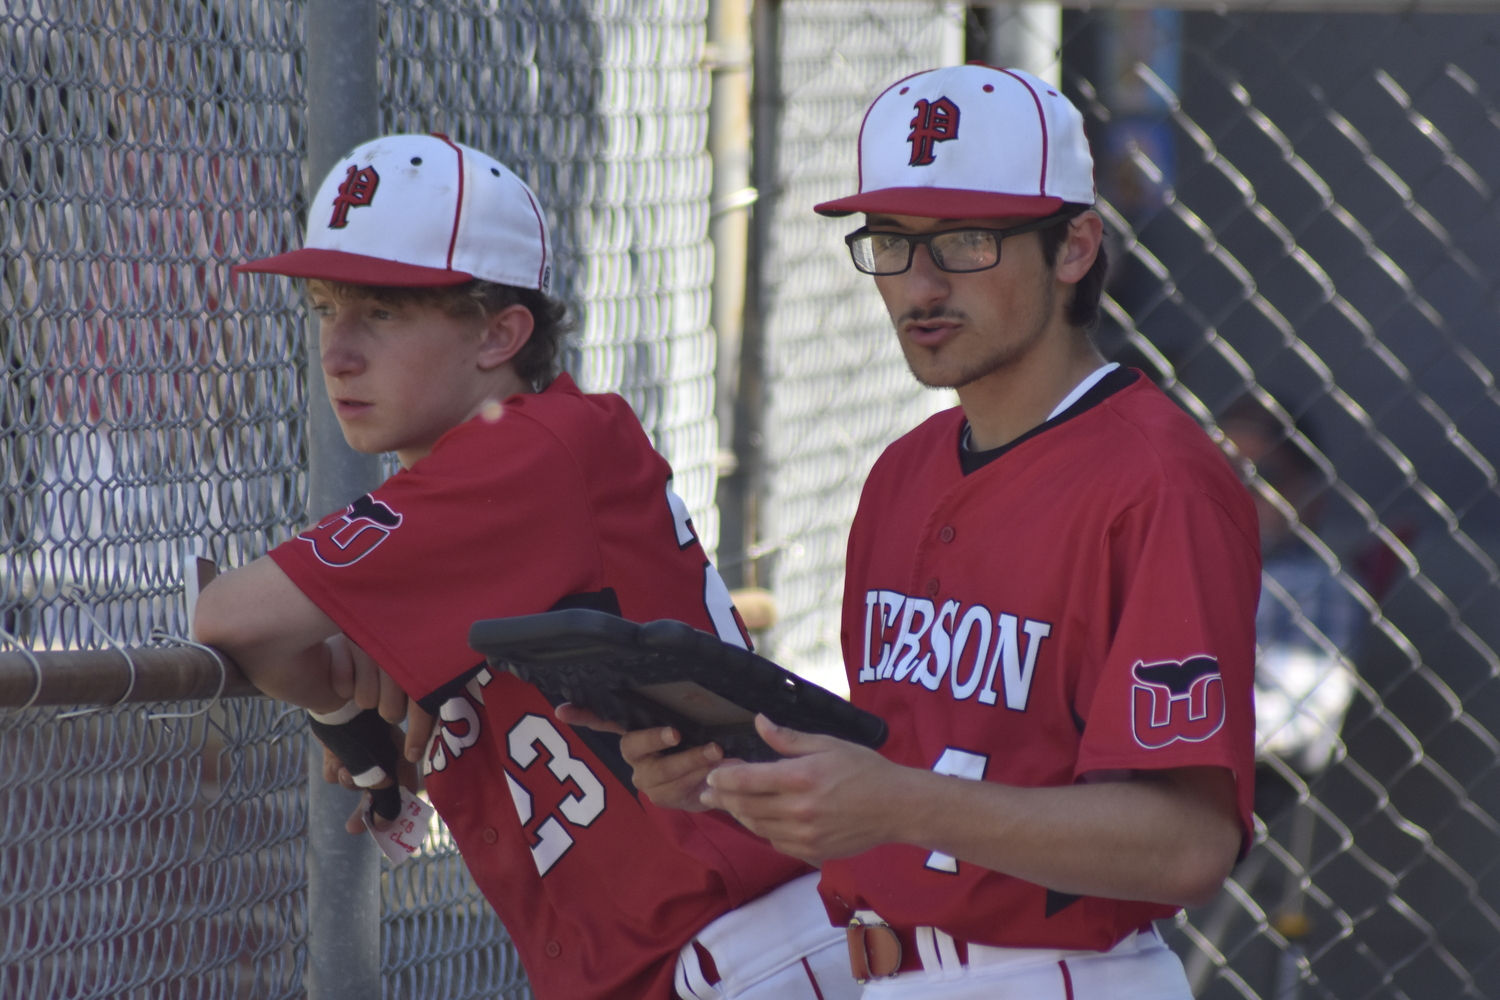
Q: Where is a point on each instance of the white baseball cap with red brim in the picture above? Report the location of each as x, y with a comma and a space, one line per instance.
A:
414, 210
970, 141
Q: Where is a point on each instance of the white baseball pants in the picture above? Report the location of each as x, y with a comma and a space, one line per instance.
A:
777, 947
1141, 967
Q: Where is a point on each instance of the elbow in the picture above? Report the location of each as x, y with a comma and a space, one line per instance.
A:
1203, 868
209, 621
213, 624
1208, 835
216, 623
1202, 890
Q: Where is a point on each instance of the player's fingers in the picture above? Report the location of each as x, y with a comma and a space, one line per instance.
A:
790, 823
419, 725
757, 813
574, 716
762, 779
331, 766
335, 773
366, 682
407, 774
645, 743
677, 781
340, 667
791, 742
392, 699
356, 822
665, 769
376, 687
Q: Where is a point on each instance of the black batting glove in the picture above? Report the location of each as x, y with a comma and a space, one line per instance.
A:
361, 739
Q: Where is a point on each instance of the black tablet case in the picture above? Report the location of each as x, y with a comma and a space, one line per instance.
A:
667, 673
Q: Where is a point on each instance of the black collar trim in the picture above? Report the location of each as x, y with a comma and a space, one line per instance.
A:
1120, 378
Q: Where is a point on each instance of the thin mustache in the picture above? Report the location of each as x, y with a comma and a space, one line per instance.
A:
927, 315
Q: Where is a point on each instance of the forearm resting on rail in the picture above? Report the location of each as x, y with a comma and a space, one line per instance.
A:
273, 631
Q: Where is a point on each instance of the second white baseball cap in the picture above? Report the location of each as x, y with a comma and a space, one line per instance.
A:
411, 210
969, 141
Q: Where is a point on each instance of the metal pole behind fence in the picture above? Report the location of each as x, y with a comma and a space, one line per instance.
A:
343, 872
741, 494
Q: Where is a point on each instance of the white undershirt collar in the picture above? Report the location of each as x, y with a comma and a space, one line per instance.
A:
1089, 381
1082, 387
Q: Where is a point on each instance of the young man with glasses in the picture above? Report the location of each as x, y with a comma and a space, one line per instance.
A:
1050, 598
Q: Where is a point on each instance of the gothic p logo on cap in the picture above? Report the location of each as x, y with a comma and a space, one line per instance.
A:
357, 191
409, 210
967, 142
936, 121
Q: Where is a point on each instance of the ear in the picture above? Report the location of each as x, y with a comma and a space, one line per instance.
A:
1076, 256
503, 336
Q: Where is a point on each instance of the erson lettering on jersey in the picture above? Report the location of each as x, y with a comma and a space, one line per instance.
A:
346, 537
1176, 700
909, 639
921, 643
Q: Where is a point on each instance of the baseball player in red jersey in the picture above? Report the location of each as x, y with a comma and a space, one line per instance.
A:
428, 268
1050, 598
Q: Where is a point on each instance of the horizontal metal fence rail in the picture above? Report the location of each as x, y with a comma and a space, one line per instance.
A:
117, 677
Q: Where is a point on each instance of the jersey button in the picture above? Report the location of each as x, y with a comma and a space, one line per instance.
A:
932, 587
947, 533
490, 836
553, 949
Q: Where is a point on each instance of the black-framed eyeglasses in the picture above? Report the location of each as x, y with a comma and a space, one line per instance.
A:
955, 250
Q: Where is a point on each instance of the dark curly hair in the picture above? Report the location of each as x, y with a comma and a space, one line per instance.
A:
536, 362
1083, 309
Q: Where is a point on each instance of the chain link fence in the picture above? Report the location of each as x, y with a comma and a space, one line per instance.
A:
147, 409
1307, 244
839, 388
151, 411
149, 856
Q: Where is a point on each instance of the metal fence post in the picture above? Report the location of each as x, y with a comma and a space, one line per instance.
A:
343, 872
732, 197
741, 494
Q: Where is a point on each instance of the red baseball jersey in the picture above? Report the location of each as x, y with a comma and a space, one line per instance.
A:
1083, 604
560, 499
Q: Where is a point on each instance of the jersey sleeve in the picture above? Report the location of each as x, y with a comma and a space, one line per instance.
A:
1174, 688
495, 522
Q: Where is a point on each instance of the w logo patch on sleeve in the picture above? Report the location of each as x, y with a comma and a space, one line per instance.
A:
1176, 700
344, 538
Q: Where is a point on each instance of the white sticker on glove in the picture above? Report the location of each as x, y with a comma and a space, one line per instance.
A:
401, 839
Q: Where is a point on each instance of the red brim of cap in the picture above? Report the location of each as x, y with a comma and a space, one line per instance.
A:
941, 203
352, 269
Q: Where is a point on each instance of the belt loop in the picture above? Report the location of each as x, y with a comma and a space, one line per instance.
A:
941, 955
927, 949
948, 952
